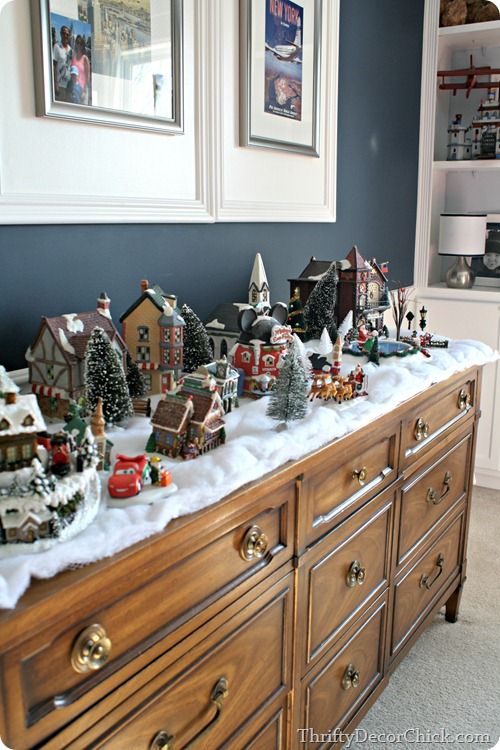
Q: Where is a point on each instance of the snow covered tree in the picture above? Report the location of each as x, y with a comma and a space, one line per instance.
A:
197, 349
105, 378
319, 311
40, 483
288, 399
88, 450
135, 379
6, 384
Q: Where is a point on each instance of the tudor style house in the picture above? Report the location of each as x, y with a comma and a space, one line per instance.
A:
56, 357
222, 324
362, 287
153, 330
20, 420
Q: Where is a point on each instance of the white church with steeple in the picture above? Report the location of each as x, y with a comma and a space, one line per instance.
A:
222, 323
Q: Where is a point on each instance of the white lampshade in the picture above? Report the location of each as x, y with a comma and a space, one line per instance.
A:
462, 234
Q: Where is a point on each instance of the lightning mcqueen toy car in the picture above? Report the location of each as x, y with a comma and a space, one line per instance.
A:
128, 475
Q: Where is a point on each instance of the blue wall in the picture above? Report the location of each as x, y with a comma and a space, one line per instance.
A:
49, 270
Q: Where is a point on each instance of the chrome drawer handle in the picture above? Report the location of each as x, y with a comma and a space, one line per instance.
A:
356, 575
91, 649
254, 545
361, 475
164, 741
464, 400
432, 495
421, 430
350, 678
426, 582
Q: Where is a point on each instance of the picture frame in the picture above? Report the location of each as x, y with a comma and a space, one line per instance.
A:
280, 77
487, 267
119, 63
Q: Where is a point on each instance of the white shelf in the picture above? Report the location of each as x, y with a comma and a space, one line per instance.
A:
478, 293
470, 36
467, 165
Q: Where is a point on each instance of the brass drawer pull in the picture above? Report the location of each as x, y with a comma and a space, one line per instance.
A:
426, 582
161, 741
356, 575
361, 475
464, 400
421, 430
164, 741
350, 678
254, 545
432, 495
91, 649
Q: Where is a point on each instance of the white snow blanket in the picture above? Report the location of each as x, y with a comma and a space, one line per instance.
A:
253, 448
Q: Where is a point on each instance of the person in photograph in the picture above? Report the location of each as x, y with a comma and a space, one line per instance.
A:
74, 91
82, 64
62, 55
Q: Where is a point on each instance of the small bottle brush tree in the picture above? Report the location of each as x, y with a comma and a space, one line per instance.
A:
105, 378
319, 311
288, 399
135, 379
197, 349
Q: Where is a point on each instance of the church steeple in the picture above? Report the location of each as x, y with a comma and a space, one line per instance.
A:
258, 289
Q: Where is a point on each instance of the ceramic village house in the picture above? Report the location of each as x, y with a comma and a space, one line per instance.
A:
153, 330
56, 357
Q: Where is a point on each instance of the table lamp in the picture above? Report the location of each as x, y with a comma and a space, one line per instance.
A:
461, 235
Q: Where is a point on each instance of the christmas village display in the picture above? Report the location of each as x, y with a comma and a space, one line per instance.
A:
84, 372
49, 487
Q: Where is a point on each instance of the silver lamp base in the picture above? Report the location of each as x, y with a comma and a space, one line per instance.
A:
461, 275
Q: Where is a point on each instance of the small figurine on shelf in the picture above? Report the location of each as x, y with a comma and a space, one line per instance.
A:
128, 476
358, 381
374, 351
154, 469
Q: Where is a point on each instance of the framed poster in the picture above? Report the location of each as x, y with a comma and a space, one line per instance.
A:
113, 62
280, 58
487, 267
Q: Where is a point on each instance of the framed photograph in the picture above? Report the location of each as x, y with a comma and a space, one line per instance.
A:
487, 266
280, 59
113, 62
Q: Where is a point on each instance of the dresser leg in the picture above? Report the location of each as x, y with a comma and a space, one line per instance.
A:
453, 605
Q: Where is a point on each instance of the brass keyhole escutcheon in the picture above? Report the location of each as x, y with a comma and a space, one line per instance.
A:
421, 430
254, 545
361, 475
356, 575
91, 649
464, 400
351, 677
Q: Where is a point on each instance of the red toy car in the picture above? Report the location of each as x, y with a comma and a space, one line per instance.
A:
128, 475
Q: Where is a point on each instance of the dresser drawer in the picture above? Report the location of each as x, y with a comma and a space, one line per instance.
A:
418, 588
441, 412
346, 478
48, 670
343, 573
210, 696
429, 496
334, 691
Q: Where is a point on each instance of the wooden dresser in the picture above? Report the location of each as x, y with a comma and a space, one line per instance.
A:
285, 606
